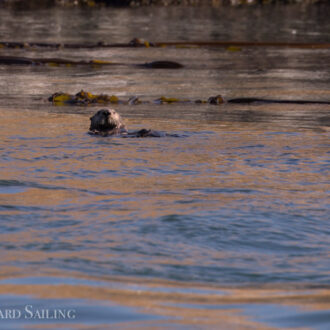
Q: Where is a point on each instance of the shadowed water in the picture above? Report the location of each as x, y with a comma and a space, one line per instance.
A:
213, 228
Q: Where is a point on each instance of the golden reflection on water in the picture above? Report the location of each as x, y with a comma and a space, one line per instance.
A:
54, 150
60, 170
223, 309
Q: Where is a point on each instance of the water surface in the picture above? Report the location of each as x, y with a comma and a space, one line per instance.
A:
214, 228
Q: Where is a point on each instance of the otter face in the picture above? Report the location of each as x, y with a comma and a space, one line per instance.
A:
106, 120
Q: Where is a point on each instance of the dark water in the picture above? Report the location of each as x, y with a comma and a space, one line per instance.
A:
225, 226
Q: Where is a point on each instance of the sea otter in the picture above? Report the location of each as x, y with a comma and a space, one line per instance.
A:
106, 122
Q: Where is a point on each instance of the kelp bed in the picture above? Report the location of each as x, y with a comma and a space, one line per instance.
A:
15, 60
136, 42
86, 98
232, 46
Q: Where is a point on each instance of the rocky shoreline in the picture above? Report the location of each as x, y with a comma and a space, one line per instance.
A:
138, 3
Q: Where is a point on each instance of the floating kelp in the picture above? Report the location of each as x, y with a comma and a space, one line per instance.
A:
136, 42
248, 100
19, 45
62, 98
82, 98
164, 99
237, 45
86, 98
234, 49
14, 60
216, 100
161, 65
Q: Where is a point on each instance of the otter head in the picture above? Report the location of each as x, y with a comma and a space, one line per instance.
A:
106, 120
